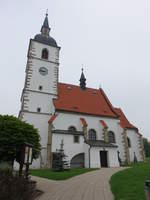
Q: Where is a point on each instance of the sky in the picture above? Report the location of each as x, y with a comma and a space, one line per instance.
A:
109, 39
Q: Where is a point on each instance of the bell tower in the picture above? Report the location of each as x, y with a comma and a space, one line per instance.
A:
41, 84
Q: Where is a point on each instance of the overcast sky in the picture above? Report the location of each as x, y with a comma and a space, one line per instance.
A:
109, 38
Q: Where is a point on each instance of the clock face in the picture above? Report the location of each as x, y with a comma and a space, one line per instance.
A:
43, 71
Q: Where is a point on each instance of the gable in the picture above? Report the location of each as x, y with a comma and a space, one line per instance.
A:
124, 122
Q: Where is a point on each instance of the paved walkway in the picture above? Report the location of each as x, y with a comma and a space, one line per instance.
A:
89, 186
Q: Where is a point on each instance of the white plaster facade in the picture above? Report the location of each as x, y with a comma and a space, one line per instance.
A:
34, 98
134, 140
64, 120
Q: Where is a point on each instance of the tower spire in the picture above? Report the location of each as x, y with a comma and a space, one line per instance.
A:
44, 37
82, 81
45, 27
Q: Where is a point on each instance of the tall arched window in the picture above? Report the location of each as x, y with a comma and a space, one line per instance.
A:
92, 134
44, 54
72, 129
129, 142
111, 137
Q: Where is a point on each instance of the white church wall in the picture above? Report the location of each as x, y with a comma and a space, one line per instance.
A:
53, 51
113, 157
64, 120
86, 155
33, 97
47, 81
114, 126
40, 122
133, 136
119, 142
70, 148
38, 100
95, 157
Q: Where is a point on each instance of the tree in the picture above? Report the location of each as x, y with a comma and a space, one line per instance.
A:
60, 163
13, 133
146, 147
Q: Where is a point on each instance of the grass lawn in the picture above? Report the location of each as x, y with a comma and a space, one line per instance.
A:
47, 173
129, 184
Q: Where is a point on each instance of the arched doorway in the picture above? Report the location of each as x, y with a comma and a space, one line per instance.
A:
77, 161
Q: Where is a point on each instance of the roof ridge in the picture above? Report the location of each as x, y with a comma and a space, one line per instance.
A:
108, 102
125, 118
77, 86
124, 115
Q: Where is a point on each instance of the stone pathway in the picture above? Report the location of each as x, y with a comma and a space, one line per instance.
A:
89, 186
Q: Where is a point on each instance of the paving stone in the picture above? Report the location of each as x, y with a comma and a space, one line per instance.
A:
89, 186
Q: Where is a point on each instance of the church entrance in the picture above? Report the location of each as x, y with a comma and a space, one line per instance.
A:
103, 158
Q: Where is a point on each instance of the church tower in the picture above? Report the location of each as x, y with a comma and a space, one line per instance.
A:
41, 85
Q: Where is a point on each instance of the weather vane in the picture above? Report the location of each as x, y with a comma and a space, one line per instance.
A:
82, 68
47, 12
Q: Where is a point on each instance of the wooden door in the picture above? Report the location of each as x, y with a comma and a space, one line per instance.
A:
103, 158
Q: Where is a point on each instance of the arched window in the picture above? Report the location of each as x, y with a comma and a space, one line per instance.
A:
72, 129
92, 134
129, 142
44, 54
111, 137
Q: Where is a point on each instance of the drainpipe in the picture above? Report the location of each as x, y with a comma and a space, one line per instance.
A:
90, 156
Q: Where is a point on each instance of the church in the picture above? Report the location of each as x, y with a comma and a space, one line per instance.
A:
92, 131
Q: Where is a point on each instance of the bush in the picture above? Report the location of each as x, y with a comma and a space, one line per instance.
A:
13, 134
12, 187
59, 160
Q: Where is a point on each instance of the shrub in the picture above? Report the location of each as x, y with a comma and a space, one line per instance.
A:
13, 134
13, 187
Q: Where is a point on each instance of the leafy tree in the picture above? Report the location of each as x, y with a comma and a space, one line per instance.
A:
60, 163
146, 147
13, 133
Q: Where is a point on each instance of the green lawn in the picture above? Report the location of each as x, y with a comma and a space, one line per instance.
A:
129, 184
47, 173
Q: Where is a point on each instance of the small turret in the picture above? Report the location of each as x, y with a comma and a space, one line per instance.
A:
82, 81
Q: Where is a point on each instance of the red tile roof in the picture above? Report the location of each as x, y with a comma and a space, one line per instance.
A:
90, 101
124, 121
103, 123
